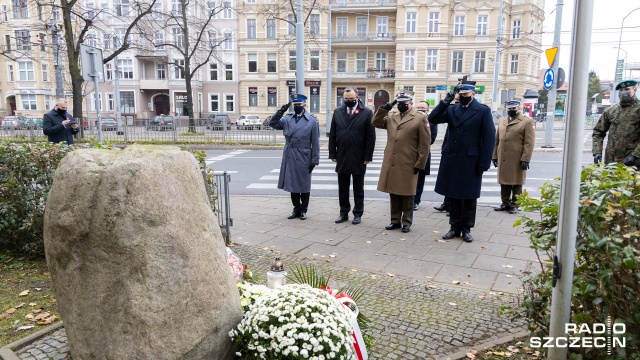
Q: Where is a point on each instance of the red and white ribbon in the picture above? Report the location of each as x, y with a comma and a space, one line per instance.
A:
347, 301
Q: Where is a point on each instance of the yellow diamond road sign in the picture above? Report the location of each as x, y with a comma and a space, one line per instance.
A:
551, 55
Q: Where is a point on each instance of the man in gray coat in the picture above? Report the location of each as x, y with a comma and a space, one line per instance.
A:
301, 152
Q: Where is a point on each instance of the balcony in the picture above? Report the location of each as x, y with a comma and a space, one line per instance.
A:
154, 84
369, 37
365, 4
370, 74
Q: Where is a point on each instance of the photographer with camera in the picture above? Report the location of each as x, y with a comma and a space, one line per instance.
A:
58, 125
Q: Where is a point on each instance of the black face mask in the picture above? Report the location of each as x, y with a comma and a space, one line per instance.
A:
465, 100
512, 113
350, 103
298, 109
403, 107
62, 111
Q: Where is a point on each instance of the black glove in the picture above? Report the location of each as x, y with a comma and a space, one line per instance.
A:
597, 158
311, 168
389, 106
284, 108
495, 162
481, 170
524, 165
449, 97
416, 170
630, 160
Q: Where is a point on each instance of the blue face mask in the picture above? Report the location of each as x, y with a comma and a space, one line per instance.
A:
298, 109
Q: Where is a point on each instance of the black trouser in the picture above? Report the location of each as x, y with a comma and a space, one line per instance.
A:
508, 194
419, 188
462, 214
344, 181
401, 209
300, 202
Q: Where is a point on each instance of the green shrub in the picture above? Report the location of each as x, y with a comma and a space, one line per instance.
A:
606, 278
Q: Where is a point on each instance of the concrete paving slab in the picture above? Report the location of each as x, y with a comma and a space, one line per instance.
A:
406, 250
323, 252
510, 239
438, 243
366, 260
521, 253
250, 238
458, 258
484, 247
417, 269
500, 264
481, 279
293, 231
507, 283
250, 225
362, 243
325, 237
286, 245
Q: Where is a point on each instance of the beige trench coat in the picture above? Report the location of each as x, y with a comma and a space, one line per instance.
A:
514, 143
408, 144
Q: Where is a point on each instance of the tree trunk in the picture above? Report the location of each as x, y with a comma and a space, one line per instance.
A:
192, 122
72, 56
188, 76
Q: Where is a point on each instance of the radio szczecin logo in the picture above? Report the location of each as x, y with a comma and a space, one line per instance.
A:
608, 335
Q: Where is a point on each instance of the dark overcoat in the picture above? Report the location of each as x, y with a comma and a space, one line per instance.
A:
352, 139
470, 140
301, 149
55, 131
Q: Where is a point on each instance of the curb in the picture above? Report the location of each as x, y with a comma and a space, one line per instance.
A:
489, 344
6, 352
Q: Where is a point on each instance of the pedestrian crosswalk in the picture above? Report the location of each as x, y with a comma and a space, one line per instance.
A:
324, 178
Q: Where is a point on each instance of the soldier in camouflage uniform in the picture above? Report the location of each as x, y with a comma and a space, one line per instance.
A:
622, 121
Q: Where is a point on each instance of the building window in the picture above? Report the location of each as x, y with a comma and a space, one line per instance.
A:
5, 15
479, 61
122, 7
25, 71
43, 42
434, 22
292, 25
55, 13
161, 70
179, 69
47, 102
314, 99
45, 72
125, 68
272, 63
483, 20
120, 32
108, 71
229, 101
20, 9
381, 60
93, 101
382, 26
178, 37
516, 29
40, 12
408, 88
10, 73
409, 60
228, 72
314, 24
213, 72
228, 41
432, 60
456, 65
458, 26
106, 41
214, 102
341, 62
271, 28
127, 102
226, 12
252, 62
411, 22
361, 62
159, 40
91, 10
361, 26
314, 56
110, 102
251, 29
514, 64
272, 96
430, 89
341, 27
176, 7
23, 40
92, 38
253, 96
28, 101
7, 42
213, 39
157, 11
104, 11
292, 60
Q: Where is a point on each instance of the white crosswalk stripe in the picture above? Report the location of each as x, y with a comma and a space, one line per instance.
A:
324, 178
211, 160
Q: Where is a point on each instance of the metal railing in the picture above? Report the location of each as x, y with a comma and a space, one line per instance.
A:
218, 191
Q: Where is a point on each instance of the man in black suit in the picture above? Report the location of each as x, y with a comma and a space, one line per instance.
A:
58, 125
352, 139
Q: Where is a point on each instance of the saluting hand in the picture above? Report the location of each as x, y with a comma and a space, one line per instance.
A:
284, 108
389, 106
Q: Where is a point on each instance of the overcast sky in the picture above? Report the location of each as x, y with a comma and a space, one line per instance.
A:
607, 20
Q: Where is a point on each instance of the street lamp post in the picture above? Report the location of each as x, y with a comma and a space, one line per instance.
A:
55, 30
615, 95
625, 58
455, 2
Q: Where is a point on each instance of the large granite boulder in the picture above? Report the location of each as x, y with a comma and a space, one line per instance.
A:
137, 258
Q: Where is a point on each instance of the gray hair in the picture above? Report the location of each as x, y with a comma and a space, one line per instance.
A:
351, 88
61, 101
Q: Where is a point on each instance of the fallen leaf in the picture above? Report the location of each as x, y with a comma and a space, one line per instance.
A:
431, 286
442, 241
352, 241
29, 316
42, 316
35, 311
48, 320
474, 351
509, 276
3, 315
11, 311
507, 266
402, 239
455, 282
483, 248
436, 232
314, 254
470, 356
453, 304
25, 327
368, 242
373, 276
46, 273
498, 353
390, 275
323, 256
24, 293
354, 270
327, 260
481, 296
467, 283
492, 293
429, 277
332, 256
21, 305
384, 233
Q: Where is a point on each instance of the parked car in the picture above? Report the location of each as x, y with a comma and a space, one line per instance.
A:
109, 124
249, 122
12, 122
216, 121
30, 123
559, 112
265, 123
161, 122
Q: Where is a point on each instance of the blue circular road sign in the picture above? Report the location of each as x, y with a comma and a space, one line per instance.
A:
549, 78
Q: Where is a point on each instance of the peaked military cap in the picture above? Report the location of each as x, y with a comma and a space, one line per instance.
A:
512, 103
298, 98
626, 83
404, 96
465, 88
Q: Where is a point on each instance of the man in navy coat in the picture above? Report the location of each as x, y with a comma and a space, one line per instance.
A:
58, 125
465, 157
352, 139
301, 152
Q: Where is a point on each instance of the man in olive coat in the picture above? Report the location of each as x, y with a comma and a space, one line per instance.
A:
466, 155
352, 139
515, 139
301, 152
406, 153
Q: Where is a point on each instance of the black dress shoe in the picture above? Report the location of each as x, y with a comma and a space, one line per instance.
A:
448, 214
356, 220
406, 228
451, 234
416, 207
303, 215
513, 210
467, 237
392, 226
502, 207
442, 207
341, 219
293, 215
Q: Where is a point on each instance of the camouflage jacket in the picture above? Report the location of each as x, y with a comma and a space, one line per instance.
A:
623, 125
